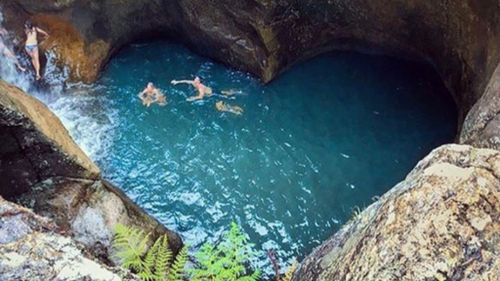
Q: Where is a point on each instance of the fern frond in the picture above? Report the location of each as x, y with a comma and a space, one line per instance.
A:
177, 269
226, 261
254, 277
147, 276
130, 245
149, 262
163, 258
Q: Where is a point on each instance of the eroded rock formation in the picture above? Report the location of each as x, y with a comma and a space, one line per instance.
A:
42, 167
460, 38
32, 249
441, 223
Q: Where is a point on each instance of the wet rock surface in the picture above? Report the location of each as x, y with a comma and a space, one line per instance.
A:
441, 223
32, 248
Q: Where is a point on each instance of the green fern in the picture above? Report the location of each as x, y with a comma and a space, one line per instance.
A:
163, 258
150, 265
226, 261
177, 268
130, 245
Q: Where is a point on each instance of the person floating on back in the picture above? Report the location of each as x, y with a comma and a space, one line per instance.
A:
31, 45
151, 94
224, 107
7, 52
196, 83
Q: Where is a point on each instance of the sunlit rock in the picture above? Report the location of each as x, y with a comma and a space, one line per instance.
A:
37, 252
440, 223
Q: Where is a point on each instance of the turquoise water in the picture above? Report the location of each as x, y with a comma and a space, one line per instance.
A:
326, 136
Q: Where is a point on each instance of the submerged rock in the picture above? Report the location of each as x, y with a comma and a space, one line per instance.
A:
441, 223
35, 251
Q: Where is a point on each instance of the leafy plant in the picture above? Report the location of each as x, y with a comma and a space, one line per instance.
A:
226, 261
153, 264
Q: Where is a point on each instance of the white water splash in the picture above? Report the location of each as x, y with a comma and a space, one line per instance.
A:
71, 103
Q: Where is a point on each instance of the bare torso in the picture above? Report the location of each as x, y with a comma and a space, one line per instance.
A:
31, 37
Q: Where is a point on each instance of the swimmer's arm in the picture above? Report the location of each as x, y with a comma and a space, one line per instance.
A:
42, 32
201, 94
141, 95
175, 82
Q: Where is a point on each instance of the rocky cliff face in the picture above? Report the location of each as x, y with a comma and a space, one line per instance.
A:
441, 223
460, 38
42, 168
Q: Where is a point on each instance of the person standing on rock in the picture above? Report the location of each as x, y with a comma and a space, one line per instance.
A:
7, 52
31, 45
196, 83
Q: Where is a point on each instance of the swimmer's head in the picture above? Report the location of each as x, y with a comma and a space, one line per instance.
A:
28, 25
151, 85
197, 80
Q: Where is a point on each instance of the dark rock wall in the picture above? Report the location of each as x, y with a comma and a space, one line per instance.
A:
460, 38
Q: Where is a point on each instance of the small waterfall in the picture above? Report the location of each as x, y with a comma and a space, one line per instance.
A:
8, 70
75, 104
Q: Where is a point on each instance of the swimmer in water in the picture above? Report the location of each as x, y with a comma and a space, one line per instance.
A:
7, 52
31, 45
151, 94
224, 107
196, 83
231, 92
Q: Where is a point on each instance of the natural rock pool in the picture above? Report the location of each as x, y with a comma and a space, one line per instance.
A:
323, 139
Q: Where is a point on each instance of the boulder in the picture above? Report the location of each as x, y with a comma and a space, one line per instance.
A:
89, 211
32, 248
35, 145
441, 223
